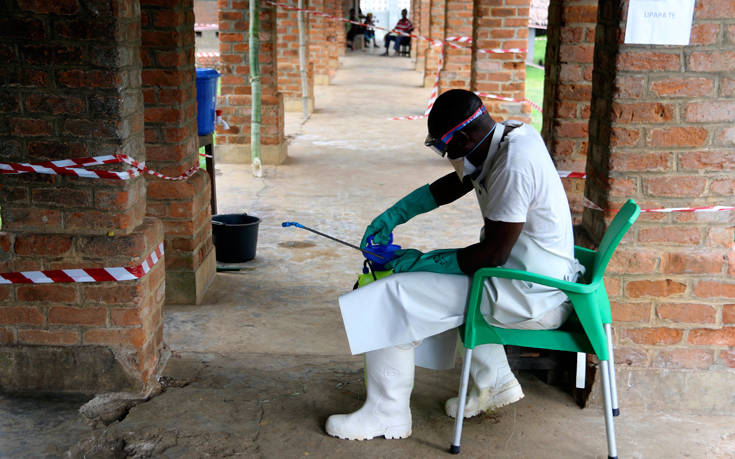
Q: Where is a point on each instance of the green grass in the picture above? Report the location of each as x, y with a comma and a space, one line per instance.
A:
535, 81
535, 93
539, 50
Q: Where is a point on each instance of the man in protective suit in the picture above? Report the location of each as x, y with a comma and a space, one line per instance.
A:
411, 317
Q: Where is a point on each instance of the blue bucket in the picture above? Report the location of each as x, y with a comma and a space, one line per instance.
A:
206, 99
387, 251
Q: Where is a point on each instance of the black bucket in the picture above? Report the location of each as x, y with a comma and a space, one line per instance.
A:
235, 237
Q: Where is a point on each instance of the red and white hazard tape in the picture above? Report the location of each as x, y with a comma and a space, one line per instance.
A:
62, 167
198, 26
419, 37
570, 174
691, 209
207, 54
189, 172
509, 99
85, 274
665, 210
65, 167
435, 88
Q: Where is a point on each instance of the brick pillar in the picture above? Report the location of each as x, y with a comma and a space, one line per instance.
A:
661, 132
501, 24
169, 94
318, 48
233, 145
457, 70
437, 23
414, 15
568, 90
289, 69
422, 18
335, 32
71, 83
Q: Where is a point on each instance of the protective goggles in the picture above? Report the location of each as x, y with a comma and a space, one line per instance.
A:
440, 145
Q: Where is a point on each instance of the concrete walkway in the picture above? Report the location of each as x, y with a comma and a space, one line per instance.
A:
256, 369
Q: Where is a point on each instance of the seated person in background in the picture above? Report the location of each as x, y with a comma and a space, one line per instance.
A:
353, 29
404, 25
369, 31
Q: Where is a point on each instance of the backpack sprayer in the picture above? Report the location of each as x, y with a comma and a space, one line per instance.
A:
376, 255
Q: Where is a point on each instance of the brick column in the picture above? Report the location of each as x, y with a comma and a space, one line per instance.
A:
568, 90
501, 24
169, 94
335, 32
233, 145
422, 21
71, 83
661, 132
318, 49
457, 70
289, 69
437, 25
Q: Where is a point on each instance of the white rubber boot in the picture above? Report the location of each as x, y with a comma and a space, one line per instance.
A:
494, 383
387, 411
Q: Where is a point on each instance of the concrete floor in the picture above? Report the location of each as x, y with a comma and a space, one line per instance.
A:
256, 369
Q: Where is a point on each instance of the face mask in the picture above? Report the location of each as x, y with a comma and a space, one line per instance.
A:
463, 167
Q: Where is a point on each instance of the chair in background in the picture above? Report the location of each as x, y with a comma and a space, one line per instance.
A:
405, 48
588, 330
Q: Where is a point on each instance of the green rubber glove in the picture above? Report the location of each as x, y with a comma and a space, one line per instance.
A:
443, 261
417, 202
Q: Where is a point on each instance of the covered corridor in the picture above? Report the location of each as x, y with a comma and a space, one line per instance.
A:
256, 368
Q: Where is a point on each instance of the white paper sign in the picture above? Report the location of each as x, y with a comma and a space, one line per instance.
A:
659, 22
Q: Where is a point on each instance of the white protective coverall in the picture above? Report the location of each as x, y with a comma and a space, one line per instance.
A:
517, 183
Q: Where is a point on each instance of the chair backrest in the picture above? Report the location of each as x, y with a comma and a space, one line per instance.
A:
610, 240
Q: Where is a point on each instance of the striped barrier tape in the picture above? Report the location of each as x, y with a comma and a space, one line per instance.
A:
510, 99
199, 26
207, 54
116, 274
419, 37
189, 172
65, 167
570, 174
665, 210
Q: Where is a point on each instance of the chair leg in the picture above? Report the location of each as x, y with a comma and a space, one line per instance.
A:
454, 448
613, 383
612, 451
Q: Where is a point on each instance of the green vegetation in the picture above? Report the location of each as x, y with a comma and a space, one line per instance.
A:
539, 50
535, 81
535, 92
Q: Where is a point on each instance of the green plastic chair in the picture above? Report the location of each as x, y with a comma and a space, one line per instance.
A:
588, 330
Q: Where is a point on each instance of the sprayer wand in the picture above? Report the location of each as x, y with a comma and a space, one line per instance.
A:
299, 225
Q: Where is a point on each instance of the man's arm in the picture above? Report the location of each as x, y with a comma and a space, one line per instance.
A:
494, 250
449, 188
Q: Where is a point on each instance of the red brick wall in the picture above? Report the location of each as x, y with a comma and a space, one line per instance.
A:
336, 37
71, 88
422, 19
235, 95
318, 49
501, 24
289, 69
568, 90
436, 28
457, 61
169, 94
661, 132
